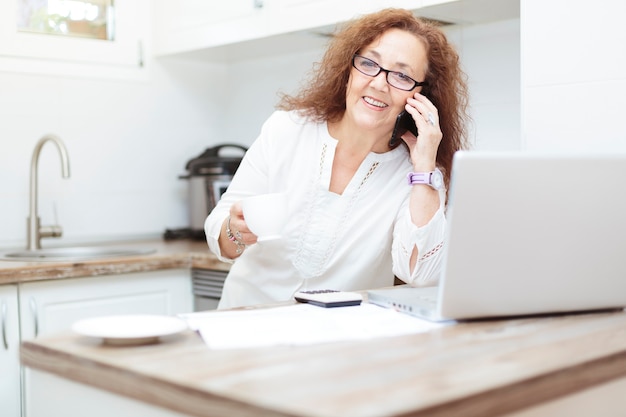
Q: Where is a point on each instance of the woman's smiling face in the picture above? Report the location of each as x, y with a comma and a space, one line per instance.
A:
371, 102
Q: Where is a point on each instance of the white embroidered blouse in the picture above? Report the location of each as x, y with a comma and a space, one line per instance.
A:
354, 241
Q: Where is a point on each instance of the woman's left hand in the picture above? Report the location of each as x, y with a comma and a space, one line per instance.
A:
423, 148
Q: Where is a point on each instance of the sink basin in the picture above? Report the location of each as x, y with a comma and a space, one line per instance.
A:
79, 253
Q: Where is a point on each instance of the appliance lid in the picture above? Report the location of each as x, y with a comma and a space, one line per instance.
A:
213, 161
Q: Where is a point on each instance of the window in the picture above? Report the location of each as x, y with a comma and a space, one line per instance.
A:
92, 38
90, 18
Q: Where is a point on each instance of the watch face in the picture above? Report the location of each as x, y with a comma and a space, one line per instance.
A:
436, 179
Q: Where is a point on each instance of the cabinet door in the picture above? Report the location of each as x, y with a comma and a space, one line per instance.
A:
10, 399
191, 25
187, 25
53, 306
296, 15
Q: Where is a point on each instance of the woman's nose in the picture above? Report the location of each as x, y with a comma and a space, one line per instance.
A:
380, 80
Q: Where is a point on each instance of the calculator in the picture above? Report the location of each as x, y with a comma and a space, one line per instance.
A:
329, 298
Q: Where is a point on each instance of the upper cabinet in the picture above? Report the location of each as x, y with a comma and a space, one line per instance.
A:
187, 25
243, 29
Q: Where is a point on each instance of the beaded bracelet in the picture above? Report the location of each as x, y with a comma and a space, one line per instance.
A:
232, 238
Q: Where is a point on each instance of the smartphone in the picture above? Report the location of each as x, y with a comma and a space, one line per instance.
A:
404, 122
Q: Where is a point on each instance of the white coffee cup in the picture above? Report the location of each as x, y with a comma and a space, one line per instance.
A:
266, 215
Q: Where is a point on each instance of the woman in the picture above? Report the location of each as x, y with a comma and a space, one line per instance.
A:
354, 221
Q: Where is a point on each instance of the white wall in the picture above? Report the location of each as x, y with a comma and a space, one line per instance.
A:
129, 140
490, 55
574, 75
254, 87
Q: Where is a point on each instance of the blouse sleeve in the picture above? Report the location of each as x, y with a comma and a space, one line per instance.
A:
251, 178
429, 240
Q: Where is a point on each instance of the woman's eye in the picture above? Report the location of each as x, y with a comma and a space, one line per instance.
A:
402, 76
368, 63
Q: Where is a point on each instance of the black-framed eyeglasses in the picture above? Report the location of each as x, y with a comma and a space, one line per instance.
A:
395, 79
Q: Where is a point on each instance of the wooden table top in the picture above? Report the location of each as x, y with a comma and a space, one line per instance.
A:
468, 369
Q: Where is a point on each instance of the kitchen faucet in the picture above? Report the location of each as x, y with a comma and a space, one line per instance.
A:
35, 231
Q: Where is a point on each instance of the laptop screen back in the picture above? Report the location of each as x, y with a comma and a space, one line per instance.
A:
530, 234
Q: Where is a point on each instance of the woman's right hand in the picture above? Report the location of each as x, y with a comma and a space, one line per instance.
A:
238, 225
240, 235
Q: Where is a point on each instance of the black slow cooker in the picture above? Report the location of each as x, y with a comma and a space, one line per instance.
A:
209, 175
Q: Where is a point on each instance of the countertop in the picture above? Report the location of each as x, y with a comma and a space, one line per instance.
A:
169, 255
468, 369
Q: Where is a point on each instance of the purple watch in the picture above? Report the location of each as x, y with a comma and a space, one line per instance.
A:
432, 178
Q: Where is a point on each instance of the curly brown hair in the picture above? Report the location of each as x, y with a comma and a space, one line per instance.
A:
324, 98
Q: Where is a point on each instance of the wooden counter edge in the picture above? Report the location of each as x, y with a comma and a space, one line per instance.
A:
40, 271
544, 388
156, 391
183, 398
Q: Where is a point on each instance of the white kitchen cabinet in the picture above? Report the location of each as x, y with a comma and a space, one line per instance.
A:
287, 16
188, 25
212, 31
52, 306
10, 399
61, 397
259, 27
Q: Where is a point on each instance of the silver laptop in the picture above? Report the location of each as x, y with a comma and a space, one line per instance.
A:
527, 234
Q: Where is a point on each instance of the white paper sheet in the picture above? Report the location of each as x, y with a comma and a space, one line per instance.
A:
301, 324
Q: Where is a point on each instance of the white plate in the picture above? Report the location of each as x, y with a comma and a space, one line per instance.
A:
129, 329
